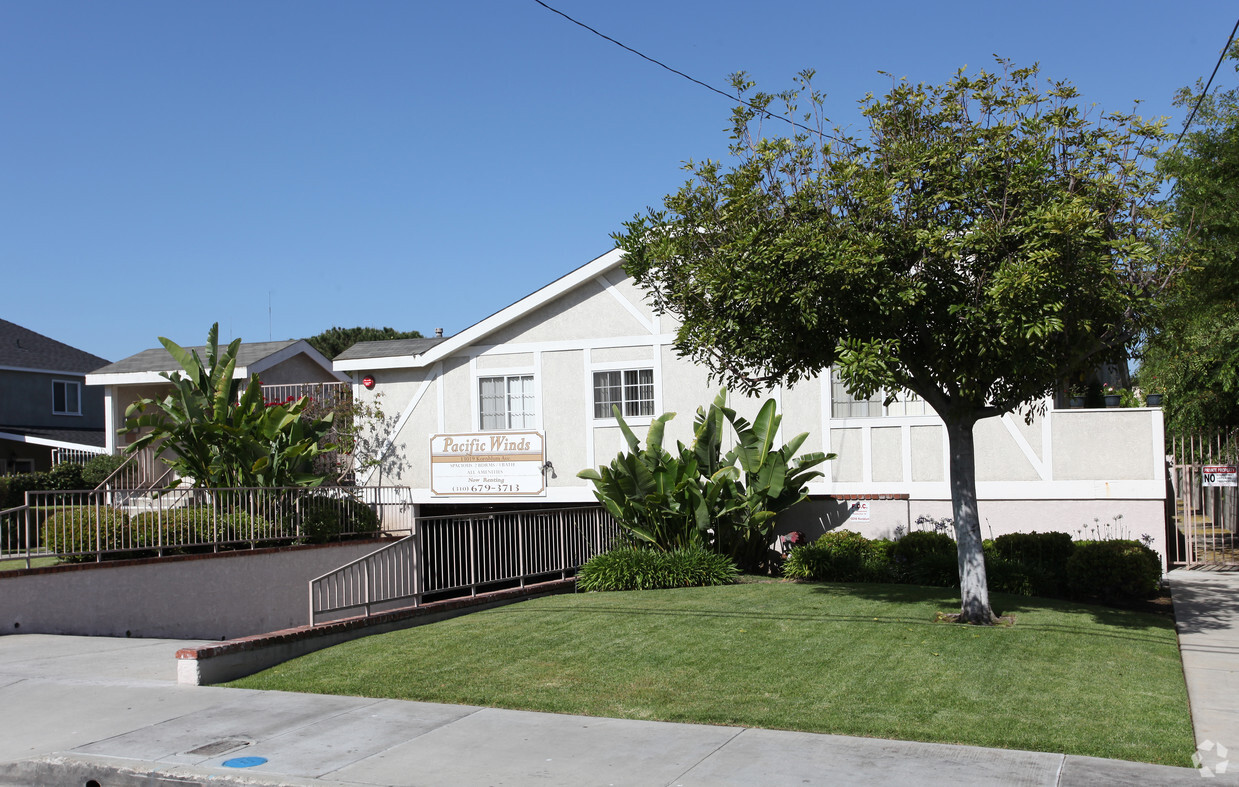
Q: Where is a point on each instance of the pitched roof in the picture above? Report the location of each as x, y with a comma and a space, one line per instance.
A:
66, 438
158, 359
22, 348
388, 355
388, 347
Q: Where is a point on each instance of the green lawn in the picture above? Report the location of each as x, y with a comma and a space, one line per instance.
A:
38, 562
848, 659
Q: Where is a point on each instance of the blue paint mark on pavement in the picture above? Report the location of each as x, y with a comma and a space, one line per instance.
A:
244, 762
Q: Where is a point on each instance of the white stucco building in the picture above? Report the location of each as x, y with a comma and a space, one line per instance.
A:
551, 365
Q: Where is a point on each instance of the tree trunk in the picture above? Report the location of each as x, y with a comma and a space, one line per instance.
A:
973, 587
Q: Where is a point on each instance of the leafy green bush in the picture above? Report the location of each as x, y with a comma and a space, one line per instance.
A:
195, 528
16, 487
918, 544
1043, 558
1045, 549
636, 568
839, 556
98, 468
935, 569
1010, 576
1118, 570
73, 529
65, 477
701, 497
324, 518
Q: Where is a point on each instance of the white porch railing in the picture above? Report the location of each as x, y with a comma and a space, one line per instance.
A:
463, 555
75, 456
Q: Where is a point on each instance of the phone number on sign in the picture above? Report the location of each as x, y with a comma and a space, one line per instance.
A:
485, 488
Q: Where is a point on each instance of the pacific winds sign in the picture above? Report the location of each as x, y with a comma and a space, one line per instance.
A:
487, 463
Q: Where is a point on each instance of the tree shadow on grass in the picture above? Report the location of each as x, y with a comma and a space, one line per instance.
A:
1120, 624
1007, 604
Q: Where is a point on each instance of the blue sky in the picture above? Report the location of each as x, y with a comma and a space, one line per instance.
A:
165, 165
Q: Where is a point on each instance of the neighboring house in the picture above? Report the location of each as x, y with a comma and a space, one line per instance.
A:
45, 408
507, 412
285, 368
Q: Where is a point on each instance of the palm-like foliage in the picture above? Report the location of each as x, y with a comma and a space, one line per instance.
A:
216, 439
726, 503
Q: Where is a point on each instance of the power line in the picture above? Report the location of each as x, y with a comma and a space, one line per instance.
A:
1208, 84
659, 63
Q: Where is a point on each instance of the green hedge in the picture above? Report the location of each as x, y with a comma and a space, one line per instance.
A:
194, 528
74, 530
839, 556
926, 557
1028, 564
1040, 558
637, 568
324, 518
1119, 570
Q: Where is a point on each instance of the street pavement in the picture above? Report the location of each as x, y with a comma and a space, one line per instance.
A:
109, 712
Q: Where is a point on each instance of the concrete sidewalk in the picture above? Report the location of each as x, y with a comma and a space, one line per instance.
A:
83, 709
1206, 611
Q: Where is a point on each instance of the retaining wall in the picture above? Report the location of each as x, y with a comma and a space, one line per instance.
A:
211, 596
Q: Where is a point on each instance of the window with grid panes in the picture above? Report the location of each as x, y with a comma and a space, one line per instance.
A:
631, 389
844, 405
506, 402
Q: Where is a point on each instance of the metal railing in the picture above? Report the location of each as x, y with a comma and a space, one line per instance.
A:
75, 456
1206, 518
323, 396
97, 525
463, 555
141, 470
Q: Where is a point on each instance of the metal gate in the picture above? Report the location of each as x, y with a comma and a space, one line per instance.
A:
1201, 514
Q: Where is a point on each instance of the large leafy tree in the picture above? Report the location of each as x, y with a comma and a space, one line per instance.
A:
984, 240
1192, 353
209, 431
336, 340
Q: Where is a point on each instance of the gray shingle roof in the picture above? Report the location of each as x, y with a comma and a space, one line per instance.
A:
91, 437
160, 360
388, 348
24, 349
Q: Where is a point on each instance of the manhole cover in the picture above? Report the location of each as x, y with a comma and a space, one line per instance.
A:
244, 762
219, 747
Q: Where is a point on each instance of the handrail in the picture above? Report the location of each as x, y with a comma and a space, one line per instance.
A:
103, 484
462, 554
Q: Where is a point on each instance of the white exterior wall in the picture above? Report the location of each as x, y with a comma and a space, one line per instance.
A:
1059, 472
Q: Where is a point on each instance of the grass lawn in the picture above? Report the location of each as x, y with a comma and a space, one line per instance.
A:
38, 562
848, 659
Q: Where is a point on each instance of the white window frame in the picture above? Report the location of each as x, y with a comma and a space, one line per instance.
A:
529, 417
624, 387
77, 387
905, 400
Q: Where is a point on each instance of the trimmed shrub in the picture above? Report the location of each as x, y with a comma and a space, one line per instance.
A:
1118, 570
920, 543
74, 530
198, 528
1045, 549
16, 487
935, 569
98, 468
635, 568
839, 556
65, 477
326, 519
1009, 576
1042, 557
925, 557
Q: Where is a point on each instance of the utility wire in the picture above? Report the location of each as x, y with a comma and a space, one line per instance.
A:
1205, 92
724, 94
